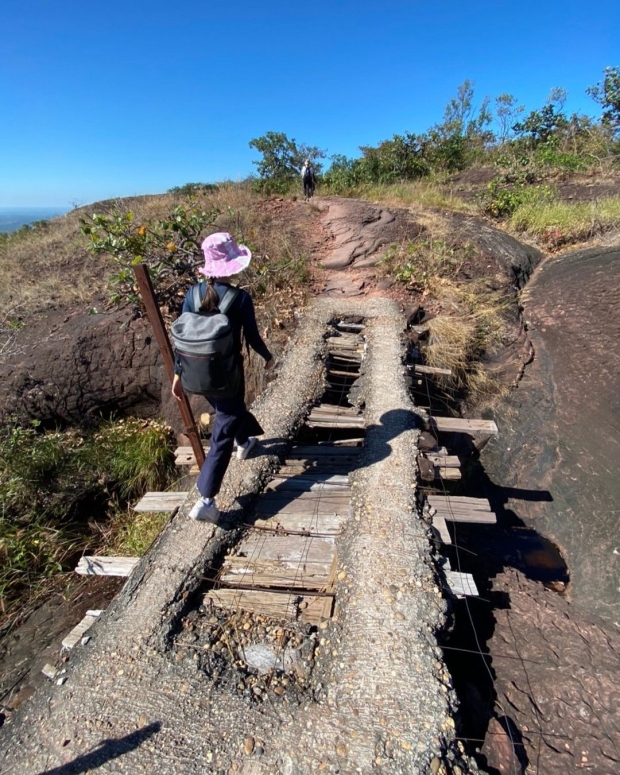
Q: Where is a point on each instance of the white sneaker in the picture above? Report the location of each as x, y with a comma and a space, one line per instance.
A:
244, 451
205, 510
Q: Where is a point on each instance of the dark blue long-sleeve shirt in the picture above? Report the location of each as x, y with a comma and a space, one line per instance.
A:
242, 318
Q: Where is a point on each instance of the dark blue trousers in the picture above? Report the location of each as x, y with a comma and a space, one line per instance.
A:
232, 422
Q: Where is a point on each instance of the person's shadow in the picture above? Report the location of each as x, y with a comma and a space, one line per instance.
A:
106, 751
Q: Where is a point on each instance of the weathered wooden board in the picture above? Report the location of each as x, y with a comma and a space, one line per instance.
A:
321, 504
431, 370
344, 326
336, 410
78, 632
161, 501
303, 483
325, 477
338, 373
184, 456
446, 461
277, 605
346, 355
459, 500
299, 467
439, 523
448, 474
480, 517
323, 450
461, 584
106, 566
244, 571
291, 551
313, 524
462, 425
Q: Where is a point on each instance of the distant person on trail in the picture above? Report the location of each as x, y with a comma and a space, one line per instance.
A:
233, 422
308, 178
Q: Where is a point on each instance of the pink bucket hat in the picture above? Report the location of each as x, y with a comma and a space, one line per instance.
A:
223, 257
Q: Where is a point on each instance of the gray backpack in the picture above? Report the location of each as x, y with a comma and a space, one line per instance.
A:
203, 342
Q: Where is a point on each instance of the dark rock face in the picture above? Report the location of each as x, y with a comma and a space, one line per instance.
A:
67, 365
560, 430
556, 681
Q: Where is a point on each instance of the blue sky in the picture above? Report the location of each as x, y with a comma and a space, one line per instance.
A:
123, 98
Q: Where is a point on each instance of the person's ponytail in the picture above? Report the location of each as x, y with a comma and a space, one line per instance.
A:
210, 300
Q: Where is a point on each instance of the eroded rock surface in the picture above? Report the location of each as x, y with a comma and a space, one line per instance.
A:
557, 679
560, 430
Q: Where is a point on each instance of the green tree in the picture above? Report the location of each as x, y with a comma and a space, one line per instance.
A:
507, 111
282, 160
607, 94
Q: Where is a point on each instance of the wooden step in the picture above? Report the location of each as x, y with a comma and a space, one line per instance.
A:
462, 509
304, 504
308, 523
184, 456
310, 484
439, 523
106, 566
461, 584
434, 371
462, 425
77, 633
161, 501
446, 461
309, 608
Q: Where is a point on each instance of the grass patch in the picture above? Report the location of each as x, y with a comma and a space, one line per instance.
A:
557, 223
60, 491
420, 193
471, 319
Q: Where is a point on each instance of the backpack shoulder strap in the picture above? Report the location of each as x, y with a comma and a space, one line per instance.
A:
228, 299
197, 295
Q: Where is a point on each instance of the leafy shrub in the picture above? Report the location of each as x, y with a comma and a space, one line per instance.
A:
54, 486
502, 201
169, 246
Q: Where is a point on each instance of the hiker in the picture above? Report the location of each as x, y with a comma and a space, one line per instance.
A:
308, 178
233, 422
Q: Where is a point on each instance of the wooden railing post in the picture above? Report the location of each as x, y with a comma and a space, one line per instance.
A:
159, 329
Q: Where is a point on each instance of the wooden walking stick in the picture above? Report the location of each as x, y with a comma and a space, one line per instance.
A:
159, 329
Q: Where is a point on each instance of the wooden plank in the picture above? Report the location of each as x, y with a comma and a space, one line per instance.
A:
161, 501
271, 574
313, 610
350, 326
292, 502
345, 355
78, 632
336, 410
462, 425
459, 500
461, 584
338, 373
307, 484
291, 551
323, 450
445, 461
448, 474
299, 467
106, 566
346, 421
311, 423
307, 522
276, 605
477, 517
439, 523
325, 477
431, 370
